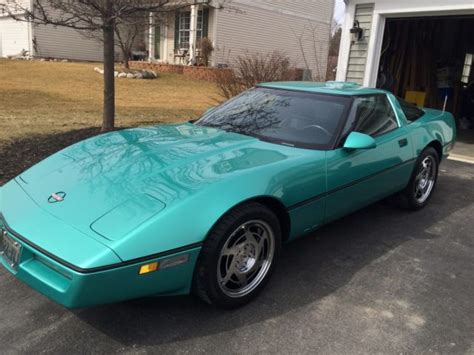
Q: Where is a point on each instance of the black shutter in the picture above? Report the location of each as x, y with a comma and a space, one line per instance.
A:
205, 23
176, 30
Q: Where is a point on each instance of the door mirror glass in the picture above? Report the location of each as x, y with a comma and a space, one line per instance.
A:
357, 140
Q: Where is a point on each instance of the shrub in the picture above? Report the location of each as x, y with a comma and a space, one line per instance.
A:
206, 48
251, 69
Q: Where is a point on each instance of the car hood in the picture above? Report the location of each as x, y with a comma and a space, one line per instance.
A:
115, 182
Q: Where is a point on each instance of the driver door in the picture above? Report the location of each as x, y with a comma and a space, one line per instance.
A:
358, 177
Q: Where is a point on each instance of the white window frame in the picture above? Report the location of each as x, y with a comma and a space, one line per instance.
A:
182, 30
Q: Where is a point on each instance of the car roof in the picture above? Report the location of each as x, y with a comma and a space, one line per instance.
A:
329, 87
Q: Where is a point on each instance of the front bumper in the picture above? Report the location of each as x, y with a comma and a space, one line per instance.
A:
75, 289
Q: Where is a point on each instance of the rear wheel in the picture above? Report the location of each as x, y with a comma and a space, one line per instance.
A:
238, 256
422, 183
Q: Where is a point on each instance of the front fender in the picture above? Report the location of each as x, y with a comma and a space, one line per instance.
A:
188, 219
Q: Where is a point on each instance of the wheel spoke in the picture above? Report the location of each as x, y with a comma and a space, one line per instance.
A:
420, 174
257, 241
260, 244
226, 278
242, 277
229, 270
250, 237
230, 251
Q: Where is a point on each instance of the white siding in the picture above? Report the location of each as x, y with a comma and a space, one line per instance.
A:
265, 26
358, 50
14, 37
316, 8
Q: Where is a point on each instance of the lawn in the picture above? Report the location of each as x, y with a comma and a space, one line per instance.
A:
45, 106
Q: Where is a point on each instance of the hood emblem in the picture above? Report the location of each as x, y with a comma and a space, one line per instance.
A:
57, 197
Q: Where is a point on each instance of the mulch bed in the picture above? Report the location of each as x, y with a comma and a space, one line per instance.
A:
20, 154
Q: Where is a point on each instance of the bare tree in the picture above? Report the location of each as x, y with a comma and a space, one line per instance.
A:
313, 48
313, 41
127, 35
335, 42
106, 17
333, 53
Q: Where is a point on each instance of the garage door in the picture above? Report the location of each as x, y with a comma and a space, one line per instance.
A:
14, 37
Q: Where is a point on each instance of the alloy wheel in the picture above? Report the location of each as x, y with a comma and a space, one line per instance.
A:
245, 258
425, 179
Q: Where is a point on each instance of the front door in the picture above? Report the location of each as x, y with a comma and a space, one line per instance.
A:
356, 178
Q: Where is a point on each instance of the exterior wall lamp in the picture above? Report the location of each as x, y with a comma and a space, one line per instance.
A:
356, 32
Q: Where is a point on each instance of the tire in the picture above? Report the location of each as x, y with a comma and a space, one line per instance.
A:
414, 197
238, 256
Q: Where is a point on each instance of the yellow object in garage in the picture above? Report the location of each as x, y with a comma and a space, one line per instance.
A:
416, 97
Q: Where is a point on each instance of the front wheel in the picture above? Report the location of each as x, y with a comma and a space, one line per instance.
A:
422, 183
238, 256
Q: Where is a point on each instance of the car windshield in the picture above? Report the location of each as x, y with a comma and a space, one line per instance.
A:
293, 118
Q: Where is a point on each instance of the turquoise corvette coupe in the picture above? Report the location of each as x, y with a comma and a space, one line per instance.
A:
204, 207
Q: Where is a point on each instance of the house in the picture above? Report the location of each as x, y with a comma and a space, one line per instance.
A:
422, 50
299, 28
44, 41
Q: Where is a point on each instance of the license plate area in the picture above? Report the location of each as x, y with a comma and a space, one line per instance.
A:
10, 250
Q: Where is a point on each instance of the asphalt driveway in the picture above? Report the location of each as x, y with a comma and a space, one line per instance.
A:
379, 281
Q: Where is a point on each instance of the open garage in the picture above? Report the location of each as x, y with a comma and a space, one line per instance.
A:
428, 61
422, 51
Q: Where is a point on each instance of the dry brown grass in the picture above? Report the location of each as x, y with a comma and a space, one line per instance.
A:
38, 98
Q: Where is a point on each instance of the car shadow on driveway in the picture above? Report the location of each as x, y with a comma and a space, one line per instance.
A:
309, 269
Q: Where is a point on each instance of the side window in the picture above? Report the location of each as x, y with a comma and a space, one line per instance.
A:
412, 113
374, 115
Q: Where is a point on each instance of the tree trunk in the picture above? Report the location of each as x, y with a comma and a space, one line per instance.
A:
109, 79
126, 59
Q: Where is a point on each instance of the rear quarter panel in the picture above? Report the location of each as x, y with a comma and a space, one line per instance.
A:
435, 125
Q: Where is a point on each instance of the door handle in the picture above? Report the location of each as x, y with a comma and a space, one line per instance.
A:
403, 142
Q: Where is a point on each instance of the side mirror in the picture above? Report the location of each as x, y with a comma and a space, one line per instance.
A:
357, 140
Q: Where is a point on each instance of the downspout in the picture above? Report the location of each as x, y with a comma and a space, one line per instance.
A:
215, 14
30, 34
30, 39
151, 37
193, 34
345, 46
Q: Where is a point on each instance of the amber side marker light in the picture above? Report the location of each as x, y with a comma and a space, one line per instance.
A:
145, 269
164, 264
